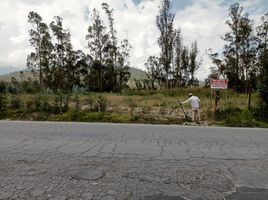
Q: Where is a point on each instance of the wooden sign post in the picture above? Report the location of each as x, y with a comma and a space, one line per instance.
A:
217, 85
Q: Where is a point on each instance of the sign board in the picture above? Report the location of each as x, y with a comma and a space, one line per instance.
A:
218, 84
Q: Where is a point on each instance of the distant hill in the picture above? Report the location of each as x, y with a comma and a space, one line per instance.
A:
24, 75
137, 74
18, 75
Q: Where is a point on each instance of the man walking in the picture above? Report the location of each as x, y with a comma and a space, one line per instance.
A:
195, 101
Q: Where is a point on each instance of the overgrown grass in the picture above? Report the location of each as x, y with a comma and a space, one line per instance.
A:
108, 107
236, 117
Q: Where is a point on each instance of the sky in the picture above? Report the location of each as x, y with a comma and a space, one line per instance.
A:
200, 20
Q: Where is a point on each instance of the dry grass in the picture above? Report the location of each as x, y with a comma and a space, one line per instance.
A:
136, 106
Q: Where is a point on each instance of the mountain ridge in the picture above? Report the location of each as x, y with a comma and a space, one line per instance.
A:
137, 74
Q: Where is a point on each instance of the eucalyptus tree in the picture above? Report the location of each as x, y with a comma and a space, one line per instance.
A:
249, 47
40, 40
164, 22
112, 48
177, 58
185, 62
98, 43
118, 51
65, 73
262, 32
240, 52
232, 49
123, 64
110, 65
193, 65
153, 71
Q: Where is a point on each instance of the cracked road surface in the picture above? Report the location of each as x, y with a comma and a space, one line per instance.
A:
47, 160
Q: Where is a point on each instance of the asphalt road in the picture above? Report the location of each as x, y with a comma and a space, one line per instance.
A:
46, 160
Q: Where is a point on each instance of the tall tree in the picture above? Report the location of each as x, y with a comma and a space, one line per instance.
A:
177, 59
123, 64
98, 42
40, 40
262, 32
112, 47
153, 71
193, 65
240, 52
231, 50
164, 22
185, 61
64, 63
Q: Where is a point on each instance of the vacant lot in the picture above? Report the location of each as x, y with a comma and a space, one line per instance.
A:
132, 106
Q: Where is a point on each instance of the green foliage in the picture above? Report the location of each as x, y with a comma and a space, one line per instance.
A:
164, 22
261, 114
61, 103
239, 64
3, 102
38, 103
41, 58
3, 87
109, 69
13, 88
94, 108
30, 86
262, 31
236, 117
177, 64
16, 102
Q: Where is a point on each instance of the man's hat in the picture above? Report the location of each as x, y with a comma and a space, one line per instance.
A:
190, 94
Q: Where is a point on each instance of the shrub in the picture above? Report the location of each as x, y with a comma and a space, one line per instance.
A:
38, 103
12, 89
90, 102
16, 102
261, 114
3, 102
3, 87
102, 103
61, 103
236, 117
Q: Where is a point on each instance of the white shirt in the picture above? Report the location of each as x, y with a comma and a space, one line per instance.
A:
194, 100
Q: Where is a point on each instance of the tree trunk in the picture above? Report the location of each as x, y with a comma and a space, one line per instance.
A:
249, 96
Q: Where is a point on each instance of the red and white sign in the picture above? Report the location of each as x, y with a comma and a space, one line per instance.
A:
218, 84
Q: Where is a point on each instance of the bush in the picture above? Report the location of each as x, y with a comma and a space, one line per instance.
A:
90, 102
236, 117
61, 103
12, 89
30, 87
261, 114
38, 103
102, 103
3, 102
16, 102
3, 87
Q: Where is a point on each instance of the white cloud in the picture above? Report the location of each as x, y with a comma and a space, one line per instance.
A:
202, 20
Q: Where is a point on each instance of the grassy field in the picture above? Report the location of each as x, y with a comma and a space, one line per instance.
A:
134, 106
